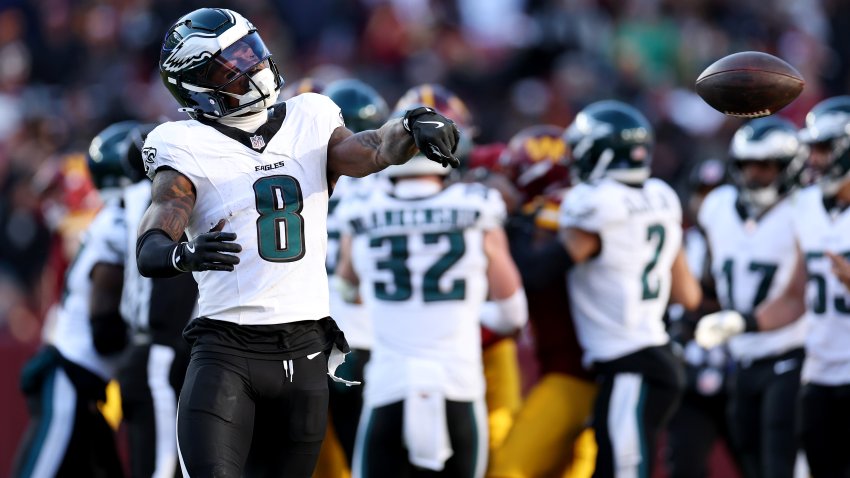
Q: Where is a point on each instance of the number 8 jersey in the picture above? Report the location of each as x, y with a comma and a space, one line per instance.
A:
271, 189
618, 298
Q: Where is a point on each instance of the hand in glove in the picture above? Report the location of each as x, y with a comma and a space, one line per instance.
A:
435, 135
207, 252
717, 328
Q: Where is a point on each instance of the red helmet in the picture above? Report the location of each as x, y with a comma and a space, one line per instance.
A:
535, 159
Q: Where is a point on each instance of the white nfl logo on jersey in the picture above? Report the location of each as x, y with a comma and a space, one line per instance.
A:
257, 141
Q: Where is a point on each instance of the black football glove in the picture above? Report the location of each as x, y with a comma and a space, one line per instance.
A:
435, 135
205, 252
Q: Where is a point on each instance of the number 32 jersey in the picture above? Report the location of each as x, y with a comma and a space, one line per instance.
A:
423, 278
618, 298
272, 191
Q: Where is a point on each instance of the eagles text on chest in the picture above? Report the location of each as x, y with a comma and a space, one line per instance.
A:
269, 167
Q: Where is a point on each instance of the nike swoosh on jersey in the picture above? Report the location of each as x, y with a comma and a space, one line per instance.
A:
439, 124
312, 356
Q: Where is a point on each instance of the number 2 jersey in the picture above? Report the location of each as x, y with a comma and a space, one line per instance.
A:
423, 278
828, 301
751, 261
618, 297
271, 188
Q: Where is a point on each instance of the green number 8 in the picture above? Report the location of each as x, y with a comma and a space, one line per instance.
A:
280, 227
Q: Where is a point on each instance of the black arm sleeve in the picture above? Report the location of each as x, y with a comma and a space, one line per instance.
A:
153, 254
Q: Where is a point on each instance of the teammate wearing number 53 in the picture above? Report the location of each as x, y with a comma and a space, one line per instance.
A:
246, 169
623, 231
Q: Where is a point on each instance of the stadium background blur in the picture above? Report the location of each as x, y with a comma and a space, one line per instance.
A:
68, 68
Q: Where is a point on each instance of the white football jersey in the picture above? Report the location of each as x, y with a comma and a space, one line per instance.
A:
105, 241
828, 301
135, 297
751, 261
274, 196
423, 277
618, 298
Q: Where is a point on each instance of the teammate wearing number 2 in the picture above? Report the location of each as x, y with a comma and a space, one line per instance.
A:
623, 233
249, 180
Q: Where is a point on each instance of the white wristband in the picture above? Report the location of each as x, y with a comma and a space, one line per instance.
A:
507, 315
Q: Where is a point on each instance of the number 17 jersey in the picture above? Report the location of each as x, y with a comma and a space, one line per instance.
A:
271, 189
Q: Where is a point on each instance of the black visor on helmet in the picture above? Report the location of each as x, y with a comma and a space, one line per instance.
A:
247, 55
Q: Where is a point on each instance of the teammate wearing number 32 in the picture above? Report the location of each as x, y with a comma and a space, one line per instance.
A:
623, 232
249, 180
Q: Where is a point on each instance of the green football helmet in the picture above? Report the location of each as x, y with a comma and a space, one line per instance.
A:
769, 139
828, 129
361, 105
610, 139
106, 155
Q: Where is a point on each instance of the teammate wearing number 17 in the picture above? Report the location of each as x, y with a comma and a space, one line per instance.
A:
248, 180
753, 258
623, 232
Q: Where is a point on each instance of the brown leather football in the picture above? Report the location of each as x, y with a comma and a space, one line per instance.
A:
749, 84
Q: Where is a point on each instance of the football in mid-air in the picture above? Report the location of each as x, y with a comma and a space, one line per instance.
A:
749, 84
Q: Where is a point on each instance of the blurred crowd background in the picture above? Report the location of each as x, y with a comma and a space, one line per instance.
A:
68, 68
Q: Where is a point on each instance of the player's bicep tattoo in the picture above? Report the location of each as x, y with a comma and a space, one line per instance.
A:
369, 139
173, 198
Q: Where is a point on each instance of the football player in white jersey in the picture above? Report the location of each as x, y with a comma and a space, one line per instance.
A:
623, 232
248, 181
426, 257
63, 383
820, 226
154, 364
753, 257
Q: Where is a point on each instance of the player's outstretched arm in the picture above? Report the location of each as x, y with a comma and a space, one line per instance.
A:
421, 129
158, 253
685, 288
